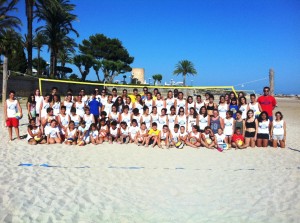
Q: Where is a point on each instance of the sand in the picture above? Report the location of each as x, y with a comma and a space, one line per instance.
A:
113, 183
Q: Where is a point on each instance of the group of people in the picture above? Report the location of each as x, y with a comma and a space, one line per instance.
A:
149, 118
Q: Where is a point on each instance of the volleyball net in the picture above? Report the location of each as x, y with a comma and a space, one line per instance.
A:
45, 86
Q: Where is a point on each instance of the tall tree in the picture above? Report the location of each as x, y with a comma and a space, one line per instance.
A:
185, 67
114, 57
29, 14
7, 24
65, 53
40, 64
157, 77
84, 64
58, 24
96, 66
38, 42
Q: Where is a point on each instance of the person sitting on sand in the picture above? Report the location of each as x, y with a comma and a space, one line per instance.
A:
237, 140
94, 134
221, 140
71, 134
208, 138
194, 137
103, 131
113, 132
153, 135
52, 133
83, 134
278, 132
34, 134
183, 134
123, 133
142, 134
174, 135
133, 130
163, 139
11, 108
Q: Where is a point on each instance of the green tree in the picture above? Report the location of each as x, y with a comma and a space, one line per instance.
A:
58, 24
38, 42
113, 56
29, 14
84, 64
40, 64
157, 77
97, 66
74, 77
17, 56
66, 53
185, 68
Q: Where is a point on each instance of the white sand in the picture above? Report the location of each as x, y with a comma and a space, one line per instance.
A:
134, 184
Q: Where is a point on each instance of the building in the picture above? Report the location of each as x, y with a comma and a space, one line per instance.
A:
138, 75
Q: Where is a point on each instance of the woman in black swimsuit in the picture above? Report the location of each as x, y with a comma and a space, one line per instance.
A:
251, 126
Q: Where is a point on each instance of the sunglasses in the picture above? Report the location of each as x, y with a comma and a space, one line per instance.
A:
266, 90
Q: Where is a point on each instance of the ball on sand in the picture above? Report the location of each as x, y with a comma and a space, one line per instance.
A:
179, 145
240, 142
209, 141
36, 138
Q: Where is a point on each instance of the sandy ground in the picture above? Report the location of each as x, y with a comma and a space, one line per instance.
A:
113, 183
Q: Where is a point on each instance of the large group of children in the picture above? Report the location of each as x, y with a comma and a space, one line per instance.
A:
149, 119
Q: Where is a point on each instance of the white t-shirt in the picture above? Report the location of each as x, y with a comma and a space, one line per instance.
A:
12, 107
52, 132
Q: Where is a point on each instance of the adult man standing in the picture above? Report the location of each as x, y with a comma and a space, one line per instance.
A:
267, 102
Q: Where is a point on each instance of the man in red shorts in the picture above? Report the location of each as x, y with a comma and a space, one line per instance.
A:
267, 102
11, 108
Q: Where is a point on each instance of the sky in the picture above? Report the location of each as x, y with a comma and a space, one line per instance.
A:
229, 42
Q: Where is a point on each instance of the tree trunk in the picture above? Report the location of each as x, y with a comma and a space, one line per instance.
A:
39, 66
184, 77
271, 81
51, 63
97, 74
29, 14
4, 85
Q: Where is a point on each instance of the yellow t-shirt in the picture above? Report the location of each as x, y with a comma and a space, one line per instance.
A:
132, 97
153, 132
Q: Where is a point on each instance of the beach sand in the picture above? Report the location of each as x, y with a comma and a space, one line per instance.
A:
127, 183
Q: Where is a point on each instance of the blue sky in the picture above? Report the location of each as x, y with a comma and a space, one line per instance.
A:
229, 42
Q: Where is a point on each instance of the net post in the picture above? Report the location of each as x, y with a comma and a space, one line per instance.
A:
40, 86
236, 95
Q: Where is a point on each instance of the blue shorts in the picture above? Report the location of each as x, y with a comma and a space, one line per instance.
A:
271, 118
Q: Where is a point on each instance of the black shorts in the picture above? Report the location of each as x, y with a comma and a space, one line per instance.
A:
262, 136
249, 134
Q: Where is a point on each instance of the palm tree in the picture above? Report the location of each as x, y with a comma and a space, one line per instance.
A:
7, 24
8, 21
29, 15
185, 68
38, 42
157, 77
58, 24
66, 51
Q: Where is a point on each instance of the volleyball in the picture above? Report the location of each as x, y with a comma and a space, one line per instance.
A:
240, 142
193, 140
224, 146
70, 139
209, 141
18, 115
80, 143
179, 145
36, 138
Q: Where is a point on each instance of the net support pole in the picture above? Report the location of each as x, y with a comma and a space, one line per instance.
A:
4, 86
236, 95
40, 85
271, 81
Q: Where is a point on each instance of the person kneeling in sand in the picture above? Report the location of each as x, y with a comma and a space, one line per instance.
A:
208, 138
133, 131
194, 137
237, 140
53, 133
94, 134
34, 134
113, 132
153, 135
